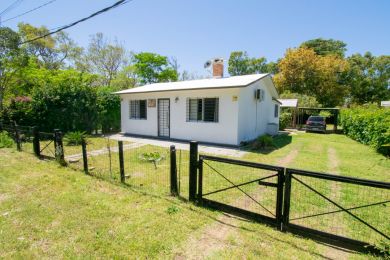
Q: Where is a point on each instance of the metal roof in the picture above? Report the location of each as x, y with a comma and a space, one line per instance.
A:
214, 83
289, 102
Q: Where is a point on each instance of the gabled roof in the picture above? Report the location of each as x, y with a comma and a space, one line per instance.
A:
289, 102
215, 83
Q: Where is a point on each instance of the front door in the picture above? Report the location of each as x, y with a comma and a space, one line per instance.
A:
163, 117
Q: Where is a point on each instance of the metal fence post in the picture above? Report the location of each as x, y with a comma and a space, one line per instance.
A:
59, 147
200, 180
121, 161
193, 170
85, 155
17, 137
36, 145
279, 198
287, 199
174, 188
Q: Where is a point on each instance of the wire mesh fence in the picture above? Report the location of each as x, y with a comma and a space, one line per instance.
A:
351, 210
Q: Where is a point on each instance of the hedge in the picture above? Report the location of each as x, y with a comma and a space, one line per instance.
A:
369, 125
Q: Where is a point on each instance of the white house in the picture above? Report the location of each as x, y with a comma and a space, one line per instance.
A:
218, 110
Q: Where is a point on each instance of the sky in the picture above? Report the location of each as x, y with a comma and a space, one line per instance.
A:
195, 31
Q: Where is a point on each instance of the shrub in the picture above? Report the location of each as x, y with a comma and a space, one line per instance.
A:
153, 157
369, 125
5, 140
74, 138
284, 120
264, 141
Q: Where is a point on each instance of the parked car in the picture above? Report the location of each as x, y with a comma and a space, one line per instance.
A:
316, 123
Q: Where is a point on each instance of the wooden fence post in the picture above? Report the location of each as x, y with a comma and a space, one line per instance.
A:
36, 145
59, 147
174, 188
17, 137
286, 203
193, 170
85, 155
121, 161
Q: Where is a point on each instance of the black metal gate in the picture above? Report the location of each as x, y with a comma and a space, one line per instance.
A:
248, 189
163, 117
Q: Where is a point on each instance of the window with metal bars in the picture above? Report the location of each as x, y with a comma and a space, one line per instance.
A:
137, 109
202, 109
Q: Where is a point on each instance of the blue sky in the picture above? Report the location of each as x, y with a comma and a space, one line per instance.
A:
194, 31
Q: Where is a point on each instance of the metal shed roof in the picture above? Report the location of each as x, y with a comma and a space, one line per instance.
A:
289, 102
231, 82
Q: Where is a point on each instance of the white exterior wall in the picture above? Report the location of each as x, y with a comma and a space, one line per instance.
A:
254, 116
225, 131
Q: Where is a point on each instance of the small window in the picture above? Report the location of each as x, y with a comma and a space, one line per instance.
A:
276, 112
202, 109
137, 109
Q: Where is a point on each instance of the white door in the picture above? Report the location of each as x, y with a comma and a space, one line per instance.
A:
163, 118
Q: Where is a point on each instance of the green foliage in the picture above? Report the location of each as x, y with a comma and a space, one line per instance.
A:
241, 64
326, 46
172, 209
369, 125
152, 68
74, 138
153, 157
5, 140
108, 109
325, 113
19, 110
262, 142
285, 119
69, 104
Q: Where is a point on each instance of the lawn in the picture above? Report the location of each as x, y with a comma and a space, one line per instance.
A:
54, 212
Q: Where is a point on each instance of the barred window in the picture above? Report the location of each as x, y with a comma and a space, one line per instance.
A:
137, 109
202, 109
276, 112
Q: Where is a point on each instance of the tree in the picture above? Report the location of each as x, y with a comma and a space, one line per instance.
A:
11, 59
302, 71
241, 64
369, 78
105, 58
326, 46
126, 78
51, 51
152, 68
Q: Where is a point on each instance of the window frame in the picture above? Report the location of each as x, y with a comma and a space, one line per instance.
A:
140, 108
200, 109
276, 110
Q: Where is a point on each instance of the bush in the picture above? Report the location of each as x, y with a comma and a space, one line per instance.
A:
369, 125
264, 141
5, 140
284, 120
74, 138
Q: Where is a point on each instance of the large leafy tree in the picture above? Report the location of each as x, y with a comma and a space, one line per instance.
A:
152, 68
52, 52
302, 71
241, 64
326, 46
11, 59
369, 78
104, 58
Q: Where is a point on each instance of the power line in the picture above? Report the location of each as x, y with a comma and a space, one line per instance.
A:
12, 6
29, 11
117, 4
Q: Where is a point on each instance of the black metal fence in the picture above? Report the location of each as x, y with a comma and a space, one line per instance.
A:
344, 211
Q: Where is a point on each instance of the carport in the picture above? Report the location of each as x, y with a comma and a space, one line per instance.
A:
303, 115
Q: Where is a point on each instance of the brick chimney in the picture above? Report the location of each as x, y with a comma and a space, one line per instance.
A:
218, 68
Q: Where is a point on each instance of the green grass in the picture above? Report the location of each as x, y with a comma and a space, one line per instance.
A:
49, 211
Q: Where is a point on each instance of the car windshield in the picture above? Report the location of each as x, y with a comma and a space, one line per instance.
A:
316, 118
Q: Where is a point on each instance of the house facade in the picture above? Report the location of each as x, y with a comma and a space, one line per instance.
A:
219, 110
